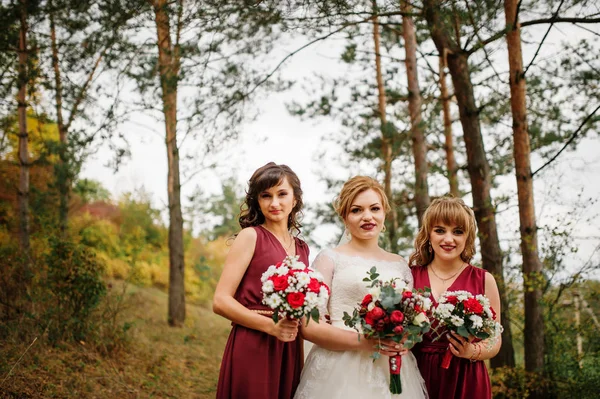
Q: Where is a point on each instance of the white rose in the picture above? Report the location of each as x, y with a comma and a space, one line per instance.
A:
420, 319
375, 293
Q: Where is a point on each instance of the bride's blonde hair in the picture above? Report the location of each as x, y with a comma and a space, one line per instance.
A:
449, 211
352, 188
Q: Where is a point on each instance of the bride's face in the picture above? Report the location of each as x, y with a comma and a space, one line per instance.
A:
366, 216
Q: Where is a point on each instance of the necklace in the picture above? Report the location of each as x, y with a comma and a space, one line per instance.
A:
286, 247
447, 278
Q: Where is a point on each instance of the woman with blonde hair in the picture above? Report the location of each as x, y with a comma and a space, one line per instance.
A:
444, 248
340, 364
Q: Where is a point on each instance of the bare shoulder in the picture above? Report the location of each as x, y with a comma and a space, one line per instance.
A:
391, 257
489, 278
246, 236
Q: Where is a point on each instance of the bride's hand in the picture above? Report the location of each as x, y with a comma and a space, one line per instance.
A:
285, 330
387, 347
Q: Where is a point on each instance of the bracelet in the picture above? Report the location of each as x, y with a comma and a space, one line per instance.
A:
472, 358
476, 349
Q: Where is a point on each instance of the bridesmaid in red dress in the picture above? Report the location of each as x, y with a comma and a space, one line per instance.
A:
262, 360
444, 247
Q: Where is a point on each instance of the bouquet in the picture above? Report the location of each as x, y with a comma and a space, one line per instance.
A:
391, 310
466, 314
294, 290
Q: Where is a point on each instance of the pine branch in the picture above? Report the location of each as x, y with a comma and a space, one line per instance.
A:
573, 136
543, 39
552, 20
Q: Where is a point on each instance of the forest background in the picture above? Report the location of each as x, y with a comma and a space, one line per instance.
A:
107, 272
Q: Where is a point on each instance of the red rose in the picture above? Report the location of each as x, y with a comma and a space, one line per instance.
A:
380, 325
295, 299
280, 283
398, 330
407, 294
472, 305
377, 313
369, 319
452, 299
397, 317
367, 300
314, 285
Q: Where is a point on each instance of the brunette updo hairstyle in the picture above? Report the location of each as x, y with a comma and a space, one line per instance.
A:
264, 178
449, 211
352, 188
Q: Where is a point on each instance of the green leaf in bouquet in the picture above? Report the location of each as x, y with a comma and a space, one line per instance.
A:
314, 314
275, 316
462, 331
388, 302
375, 356
412, 329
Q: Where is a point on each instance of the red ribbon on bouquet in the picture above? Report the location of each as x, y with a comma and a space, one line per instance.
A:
447, 359
395, 381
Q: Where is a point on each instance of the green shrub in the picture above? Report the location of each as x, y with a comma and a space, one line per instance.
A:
74, 288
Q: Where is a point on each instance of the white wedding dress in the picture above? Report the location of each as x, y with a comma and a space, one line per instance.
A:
352, 374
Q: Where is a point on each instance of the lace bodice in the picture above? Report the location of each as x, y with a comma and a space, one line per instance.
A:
345, 273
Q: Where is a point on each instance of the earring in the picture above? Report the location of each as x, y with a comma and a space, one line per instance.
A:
430, 249
383, 230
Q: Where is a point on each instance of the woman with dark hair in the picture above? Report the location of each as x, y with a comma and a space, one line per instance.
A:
444, 247
262, 359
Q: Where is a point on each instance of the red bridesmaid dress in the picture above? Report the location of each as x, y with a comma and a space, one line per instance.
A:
463, 379
257, 365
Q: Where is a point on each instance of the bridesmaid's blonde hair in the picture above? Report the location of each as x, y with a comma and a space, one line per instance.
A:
449, 211
352, 188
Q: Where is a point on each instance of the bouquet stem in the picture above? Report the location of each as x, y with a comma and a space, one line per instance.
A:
446, 359
395, 381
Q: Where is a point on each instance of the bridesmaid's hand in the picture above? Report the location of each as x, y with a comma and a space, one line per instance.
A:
460, 346
285, 330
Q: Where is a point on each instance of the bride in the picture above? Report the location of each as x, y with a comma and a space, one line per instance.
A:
340, 365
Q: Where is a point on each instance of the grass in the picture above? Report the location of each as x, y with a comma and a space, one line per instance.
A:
157, 361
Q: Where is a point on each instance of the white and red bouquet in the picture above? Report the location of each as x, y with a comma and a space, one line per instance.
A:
466, 314
294, 290
391, 311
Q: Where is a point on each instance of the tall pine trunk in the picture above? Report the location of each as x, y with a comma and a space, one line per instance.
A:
168, 59
478, 167
532, 266
419, 146
61, 170
23, 192
386, 139
448, 142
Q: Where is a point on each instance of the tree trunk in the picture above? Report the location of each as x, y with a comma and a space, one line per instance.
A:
478, 168
532, 266
168, 57
61, 170
386, 140
419, 146
23, 193
449, 144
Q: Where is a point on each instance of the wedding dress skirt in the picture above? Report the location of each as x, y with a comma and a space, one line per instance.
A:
352, 374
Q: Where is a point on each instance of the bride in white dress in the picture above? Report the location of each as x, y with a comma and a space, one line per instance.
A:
340, 365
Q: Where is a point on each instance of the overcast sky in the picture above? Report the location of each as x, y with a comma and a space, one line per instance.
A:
280, 137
